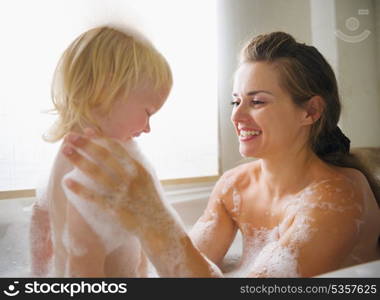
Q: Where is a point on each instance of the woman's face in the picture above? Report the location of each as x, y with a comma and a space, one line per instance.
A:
129, 116
265, 118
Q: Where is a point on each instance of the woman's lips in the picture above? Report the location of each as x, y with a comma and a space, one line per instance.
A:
248, 134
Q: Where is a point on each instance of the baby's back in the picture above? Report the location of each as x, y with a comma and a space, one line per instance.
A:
87, 241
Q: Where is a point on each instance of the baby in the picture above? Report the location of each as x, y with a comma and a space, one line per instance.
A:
111, 80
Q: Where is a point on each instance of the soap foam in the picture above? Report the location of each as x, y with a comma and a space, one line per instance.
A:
276, 261
14, 239
41, 196
308, 200
101, 221
73, 247
110, 231
148, 207
264, 255
227, 183
202, 229
236, 200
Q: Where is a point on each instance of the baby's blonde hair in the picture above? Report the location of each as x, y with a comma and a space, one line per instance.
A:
100, 65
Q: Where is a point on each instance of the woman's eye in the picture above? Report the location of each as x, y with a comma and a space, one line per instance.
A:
257, 102
234, 103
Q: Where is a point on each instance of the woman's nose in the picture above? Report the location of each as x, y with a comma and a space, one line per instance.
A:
240, 113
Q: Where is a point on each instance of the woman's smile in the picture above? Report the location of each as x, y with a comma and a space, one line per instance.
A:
246, 134
261, 105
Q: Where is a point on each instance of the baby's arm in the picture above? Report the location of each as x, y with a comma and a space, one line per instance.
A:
40, 241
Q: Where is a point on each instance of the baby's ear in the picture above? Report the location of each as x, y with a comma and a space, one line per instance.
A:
313, 110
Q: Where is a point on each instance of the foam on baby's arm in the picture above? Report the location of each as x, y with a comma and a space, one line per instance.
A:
41, 192
152, 210
101, 221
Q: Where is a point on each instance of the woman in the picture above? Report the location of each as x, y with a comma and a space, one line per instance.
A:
304, 207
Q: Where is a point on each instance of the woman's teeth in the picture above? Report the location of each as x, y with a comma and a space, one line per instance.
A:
245, 133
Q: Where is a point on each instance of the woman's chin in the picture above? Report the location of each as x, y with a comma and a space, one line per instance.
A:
248, 152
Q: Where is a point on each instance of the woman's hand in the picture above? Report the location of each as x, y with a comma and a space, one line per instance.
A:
130, 190
133, 196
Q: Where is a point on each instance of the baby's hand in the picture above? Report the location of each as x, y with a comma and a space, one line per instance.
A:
131, 193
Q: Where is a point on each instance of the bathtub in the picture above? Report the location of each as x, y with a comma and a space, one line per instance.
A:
14, 238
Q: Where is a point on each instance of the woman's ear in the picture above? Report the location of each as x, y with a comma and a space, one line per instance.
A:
313, 110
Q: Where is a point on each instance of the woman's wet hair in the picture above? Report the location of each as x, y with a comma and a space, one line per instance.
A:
305, 73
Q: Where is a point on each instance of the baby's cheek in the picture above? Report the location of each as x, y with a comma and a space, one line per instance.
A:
121, 132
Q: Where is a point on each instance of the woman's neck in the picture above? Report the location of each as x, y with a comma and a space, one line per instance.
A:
288, 172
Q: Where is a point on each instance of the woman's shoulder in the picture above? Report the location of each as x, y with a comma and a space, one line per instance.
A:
233, 180
349, 180
351, 174
334, 176
249, 168
359, 184
338, 190
238, 176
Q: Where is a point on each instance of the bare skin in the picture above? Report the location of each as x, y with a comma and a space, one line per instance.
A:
140, 208
94, 261
343, 244
333, 225
60, 235
298, 215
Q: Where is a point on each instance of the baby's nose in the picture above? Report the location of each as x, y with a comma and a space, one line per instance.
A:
147, 128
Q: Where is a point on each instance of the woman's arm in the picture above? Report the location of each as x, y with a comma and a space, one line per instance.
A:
215, 230
135, 200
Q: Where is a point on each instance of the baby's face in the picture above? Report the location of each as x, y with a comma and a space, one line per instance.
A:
130, 115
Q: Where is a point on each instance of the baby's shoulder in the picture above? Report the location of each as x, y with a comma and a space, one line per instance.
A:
60, 167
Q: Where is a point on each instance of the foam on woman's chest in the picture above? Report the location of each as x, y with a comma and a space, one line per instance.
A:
266, 254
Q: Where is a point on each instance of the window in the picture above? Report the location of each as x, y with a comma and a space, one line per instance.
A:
183, 141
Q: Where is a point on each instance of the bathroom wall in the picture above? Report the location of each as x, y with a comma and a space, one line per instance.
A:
377, 29
355, 61
357, 74
356, 64
238, 21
